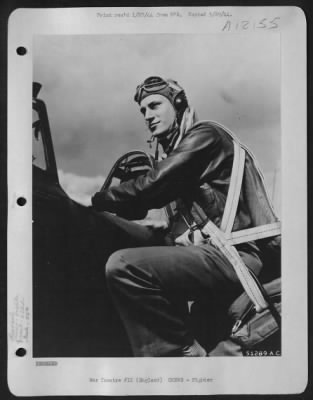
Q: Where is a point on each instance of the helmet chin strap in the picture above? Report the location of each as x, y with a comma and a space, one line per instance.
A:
151, 140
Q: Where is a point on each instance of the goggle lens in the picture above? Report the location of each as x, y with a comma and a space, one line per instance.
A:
150, 85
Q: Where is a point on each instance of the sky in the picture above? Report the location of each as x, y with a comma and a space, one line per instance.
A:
89, 83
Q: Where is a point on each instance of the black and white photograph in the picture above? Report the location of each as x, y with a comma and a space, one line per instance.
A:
84, 283
156, 197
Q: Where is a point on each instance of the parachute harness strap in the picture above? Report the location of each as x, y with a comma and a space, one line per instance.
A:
224, 239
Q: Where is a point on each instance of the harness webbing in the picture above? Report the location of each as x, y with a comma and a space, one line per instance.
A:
256, 233
250, 286
224, 239
234, 189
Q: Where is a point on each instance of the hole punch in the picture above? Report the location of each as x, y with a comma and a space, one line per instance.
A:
21, 51
21, 201
20, 352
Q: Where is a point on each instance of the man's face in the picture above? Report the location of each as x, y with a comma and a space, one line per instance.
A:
158, 112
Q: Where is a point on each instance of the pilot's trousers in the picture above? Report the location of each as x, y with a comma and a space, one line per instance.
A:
151, 287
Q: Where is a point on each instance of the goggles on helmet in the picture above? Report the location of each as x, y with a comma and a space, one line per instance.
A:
154, 84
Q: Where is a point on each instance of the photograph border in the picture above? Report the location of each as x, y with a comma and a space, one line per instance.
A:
9, 120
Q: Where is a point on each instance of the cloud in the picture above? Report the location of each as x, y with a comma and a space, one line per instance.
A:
80, 188
89, 81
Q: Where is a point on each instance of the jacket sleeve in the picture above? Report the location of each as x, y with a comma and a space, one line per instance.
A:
169, 179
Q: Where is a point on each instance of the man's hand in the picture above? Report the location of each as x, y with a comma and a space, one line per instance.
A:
156, 219
153, 224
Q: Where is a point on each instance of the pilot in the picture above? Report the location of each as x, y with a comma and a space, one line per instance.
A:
151, 286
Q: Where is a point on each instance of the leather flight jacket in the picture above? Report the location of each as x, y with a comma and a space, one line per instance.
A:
196, 175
